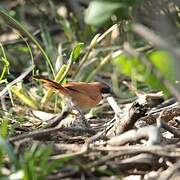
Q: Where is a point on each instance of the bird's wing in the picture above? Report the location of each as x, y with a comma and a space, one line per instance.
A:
87, 89
52, 84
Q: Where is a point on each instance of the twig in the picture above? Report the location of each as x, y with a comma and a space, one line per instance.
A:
168, 114
55, 121
150, 132
159, 120
164, 151
165, 105
66, 147
83, 150
114, 105
20, 78
173, 130
62, 175
140, 161
130, 115
44, 132
171, 171
97, 136
155, 39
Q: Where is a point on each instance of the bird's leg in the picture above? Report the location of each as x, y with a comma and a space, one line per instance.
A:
81, 113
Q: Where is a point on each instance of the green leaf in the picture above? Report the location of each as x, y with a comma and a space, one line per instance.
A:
99, 12
76, 51
7, 149
35, 162
129, 66
48, 42
163, 62
4, 61
137, 71
4, 128
23, 95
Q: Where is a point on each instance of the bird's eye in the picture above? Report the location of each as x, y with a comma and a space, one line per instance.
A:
105, 90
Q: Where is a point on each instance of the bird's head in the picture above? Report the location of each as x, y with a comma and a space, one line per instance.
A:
104, 88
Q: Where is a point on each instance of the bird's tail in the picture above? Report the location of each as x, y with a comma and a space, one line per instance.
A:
51, 84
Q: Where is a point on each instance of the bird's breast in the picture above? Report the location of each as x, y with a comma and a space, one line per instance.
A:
85, 102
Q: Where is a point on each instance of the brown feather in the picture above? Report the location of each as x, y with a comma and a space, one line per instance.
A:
84, 95
52, 84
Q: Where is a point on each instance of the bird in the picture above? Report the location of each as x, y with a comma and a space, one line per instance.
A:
80, 95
